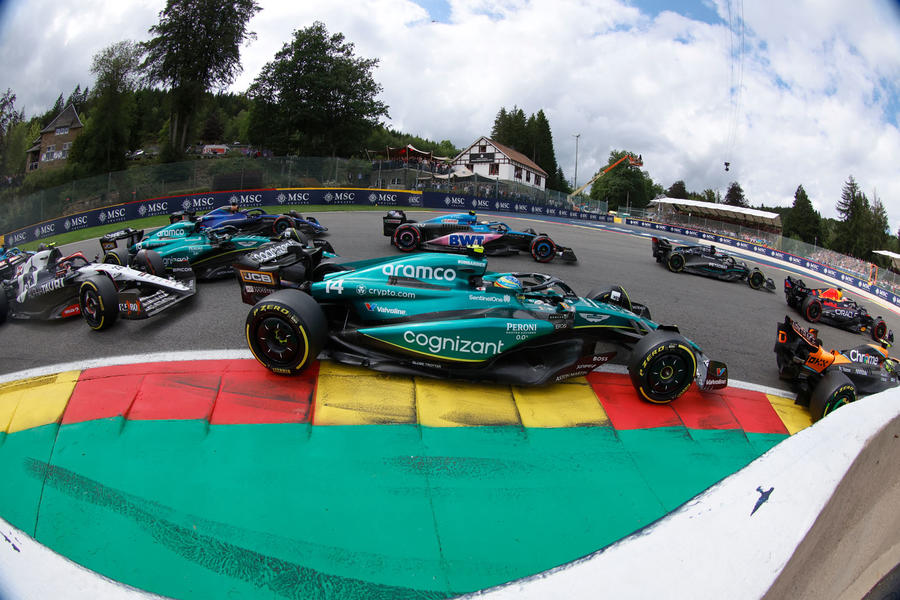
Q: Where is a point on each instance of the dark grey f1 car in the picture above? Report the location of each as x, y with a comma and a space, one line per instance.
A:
52, 286
708, 262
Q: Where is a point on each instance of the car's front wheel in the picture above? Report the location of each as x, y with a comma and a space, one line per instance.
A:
98, 300
675, 262
811, 309
879, 331
543, 249
662, 366
756, 279
286, 331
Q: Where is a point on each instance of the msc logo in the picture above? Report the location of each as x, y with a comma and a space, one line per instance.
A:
153, 208
17, 238
455, 201
246, 199
415, 201
502, 205
340, 198
42, 230
293, 198
390, 199
201, 203
465, 239
257, 277
481, 203
75, 223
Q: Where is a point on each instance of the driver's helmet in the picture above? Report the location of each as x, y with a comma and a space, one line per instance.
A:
712, 249
509, 282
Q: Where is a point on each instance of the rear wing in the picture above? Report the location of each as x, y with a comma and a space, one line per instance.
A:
110, 241
393, 220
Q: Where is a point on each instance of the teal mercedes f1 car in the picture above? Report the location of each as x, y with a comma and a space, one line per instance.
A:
446, 315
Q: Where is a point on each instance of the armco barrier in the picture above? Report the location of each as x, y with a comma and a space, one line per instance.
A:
291, 197
816, 267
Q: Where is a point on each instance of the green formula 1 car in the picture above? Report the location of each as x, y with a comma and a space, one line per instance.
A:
445, 315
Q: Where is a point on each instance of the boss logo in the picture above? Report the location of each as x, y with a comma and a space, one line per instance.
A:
257, 277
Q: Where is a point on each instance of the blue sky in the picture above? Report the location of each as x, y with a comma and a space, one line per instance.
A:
810, 98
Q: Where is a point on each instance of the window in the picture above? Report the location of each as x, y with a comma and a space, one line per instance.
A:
482, 148
537, 180
51, 148
494, 169
518, 173
528, 176
61, 131
67, 146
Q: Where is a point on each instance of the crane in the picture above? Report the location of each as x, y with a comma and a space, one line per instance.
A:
636, 162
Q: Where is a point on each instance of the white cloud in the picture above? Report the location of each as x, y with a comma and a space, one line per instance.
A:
817, 80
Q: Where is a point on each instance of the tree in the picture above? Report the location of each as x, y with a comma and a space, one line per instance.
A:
735, 196
802, 221
196, 48
710, 195
677, 190
624, 186
105, 141
9, 117
316, 97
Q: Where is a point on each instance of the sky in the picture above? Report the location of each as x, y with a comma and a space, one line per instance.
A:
805, 92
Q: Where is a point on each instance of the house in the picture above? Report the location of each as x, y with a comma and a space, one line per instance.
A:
51, 149
488, 158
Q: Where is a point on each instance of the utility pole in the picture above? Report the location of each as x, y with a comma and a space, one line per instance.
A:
575, 184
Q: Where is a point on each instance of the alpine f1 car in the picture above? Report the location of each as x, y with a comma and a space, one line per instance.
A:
209, 252
830, 306
52, 286
828, 379
709, 262
252, 220
447, 316
456, 232
10, 260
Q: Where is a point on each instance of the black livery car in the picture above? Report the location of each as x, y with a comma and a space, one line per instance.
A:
832, 307
708, 261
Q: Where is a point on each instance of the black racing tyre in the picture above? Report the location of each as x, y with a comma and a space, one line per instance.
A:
543, 249
286, 331
98, 300
662, 366
292, 233
116, 256
832, 392
149, 261
4, 305
407, 237
675, 262
811, 309
280, 224
756, 279
879, 330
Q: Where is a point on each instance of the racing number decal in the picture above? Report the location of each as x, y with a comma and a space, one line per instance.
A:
782, 337
334, 286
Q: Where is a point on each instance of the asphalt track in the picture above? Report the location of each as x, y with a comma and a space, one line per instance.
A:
730, 321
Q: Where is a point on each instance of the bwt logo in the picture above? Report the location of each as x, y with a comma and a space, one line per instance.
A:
481, 204
202, 203
462, 239
76, 222
153, 208
455, 201
389, 199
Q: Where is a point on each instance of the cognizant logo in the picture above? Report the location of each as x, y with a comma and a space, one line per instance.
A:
436, 344
419, 272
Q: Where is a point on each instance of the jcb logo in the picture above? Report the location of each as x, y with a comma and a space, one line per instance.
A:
257, 277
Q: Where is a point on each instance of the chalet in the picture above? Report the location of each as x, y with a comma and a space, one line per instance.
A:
490, 159
51, 149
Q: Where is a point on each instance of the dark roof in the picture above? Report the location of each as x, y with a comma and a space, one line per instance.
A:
67, 118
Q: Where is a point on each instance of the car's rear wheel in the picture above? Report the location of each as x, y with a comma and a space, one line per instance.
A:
879, 331
149, 261
281, 224
286, 331
811, 309
116, 256
756, 279
407, 237
543, 249
99, 302
618, 296
662, 366
675, 262
834, 391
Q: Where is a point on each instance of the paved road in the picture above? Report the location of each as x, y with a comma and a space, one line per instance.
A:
729, 321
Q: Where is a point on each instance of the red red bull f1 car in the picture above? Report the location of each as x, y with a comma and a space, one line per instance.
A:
832, 307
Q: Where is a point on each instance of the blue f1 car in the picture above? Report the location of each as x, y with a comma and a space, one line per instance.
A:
456, 232
251, 221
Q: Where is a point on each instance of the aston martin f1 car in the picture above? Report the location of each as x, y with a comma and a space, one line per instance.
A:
446, 316
209, 252
709, 262
53, 286
252, 220
456, 232
832, 307
828, 379
10, 259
